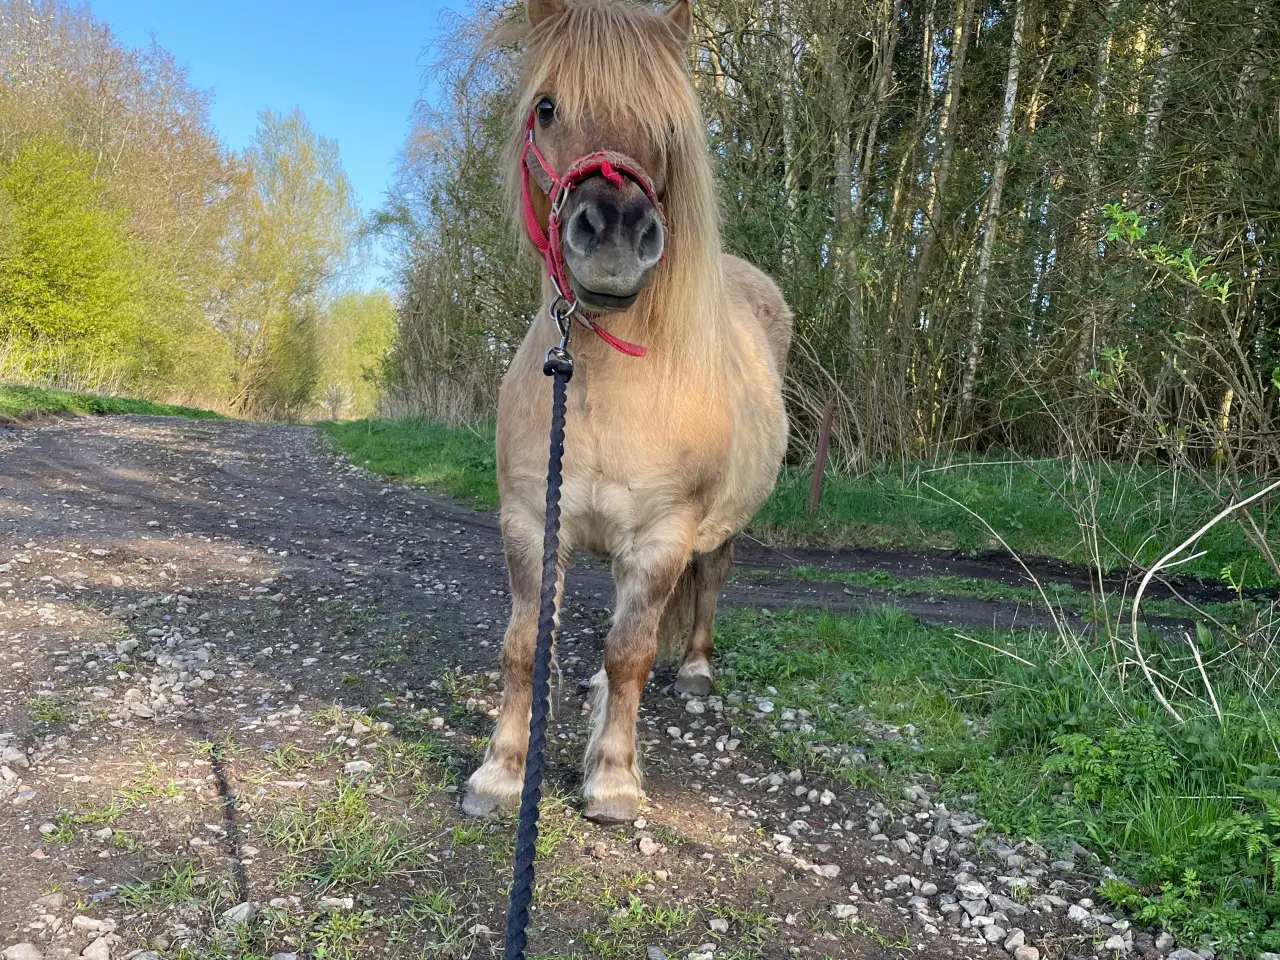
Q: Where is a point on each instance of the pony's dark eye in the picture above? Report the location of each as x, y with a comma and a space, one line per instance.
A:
546, 111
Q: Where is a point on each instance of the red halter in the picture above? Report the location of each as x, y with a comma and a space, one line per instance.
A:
605, 163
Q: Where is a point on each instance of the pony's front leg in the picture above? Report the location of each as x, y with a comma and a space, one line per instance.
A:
496, 785
645, 577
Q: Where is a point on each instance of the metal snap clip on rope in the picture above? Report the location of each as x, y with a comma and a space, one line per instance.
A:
558, 359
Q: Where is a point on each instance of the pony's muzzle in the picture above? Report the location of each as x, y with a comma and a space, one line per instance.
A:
613, 238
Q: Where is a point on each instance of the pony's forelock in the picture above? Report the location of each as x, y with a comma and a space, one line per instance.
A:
628, 62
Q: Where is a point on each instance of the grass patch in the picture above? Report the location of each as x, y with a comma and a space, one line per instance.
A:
1056, 738
634, 927
457, 462
180, 883
438, 915
50, 711
343, 839
338, 936
18, 401
1037, 506
98, 816
1062, 597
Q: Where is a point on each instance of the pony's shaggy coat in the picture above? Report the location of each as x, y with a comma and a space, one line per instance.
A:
667, 457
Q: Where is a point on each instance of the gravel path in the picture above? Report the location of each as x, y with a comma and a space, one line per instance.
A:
241, 681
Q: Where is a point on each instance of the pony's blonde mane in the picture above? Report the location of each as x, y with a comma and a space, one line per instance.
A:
628, 62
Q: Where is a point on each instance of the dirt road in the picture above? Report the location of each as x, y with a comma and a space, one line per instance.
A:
240, 683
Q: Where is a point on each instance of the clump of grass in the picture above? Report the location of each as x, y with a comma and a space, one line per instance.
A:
50, 711
1058, 738
98, 816
17, 401
142, 790
63, 832
178, 884
338, 936
435, 916
343, 840
633, 926
752, 927
289, 757
101, 816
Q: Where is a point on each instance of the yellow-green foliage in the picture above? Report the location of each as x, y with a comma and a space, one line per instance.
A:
287, 242
358, 332
82, 298
73, 293
137, 254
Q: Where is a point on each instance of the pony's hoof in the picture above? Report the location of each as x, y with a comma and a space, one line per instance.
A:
694, 680
613, 810
612, 796
477, 805
490, 795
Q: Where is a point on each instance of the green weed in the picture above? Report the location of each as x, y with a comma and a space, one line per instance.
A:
632, 927
178, 884
50, 711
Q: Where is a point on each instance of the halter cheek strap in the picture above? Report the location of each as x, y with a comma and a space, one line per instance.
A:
614, 167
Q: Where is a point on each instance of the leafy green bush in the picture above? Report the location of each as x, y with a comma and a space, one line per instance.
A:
72, 292
82, 302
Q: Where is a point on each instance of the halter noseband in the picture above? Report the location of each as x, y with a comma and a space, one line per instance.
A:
604, 163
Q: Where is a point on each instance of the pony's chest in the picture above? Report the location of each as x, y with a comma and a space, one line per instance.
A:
637, 433
629, 462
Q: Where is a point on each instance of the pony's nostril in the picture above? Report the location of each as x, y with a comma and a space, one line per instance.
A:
586, 229
652, 239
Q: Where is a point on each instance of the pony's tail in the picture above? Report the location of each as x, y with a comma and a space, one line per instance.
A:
676, 626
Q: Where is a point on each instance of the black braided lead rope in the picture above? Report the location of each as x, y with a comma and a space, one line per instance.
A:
559, 367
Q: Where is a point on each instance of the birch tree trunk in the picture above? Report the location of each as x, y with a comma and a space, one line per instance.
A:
1047, 57
1087, 350
991, 217
1160, 87
787, 53
924, 105
942, 159
879, 95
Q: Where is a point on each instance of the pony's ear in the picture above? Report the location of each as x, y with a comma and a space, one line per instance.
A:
681, 16
539, 10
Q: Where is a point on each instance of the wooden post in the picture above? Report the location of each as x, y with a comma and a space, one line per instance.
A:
820, 461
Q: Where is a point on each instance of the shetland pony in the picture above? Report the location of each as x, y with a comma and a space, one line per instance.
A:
667, 455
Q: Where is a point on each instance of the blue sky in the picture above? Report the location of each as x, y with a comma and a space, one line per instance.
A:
355, 70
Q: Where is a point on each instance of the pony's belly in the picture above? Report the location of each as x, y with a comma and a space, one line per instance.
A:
751, 470
739, 501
